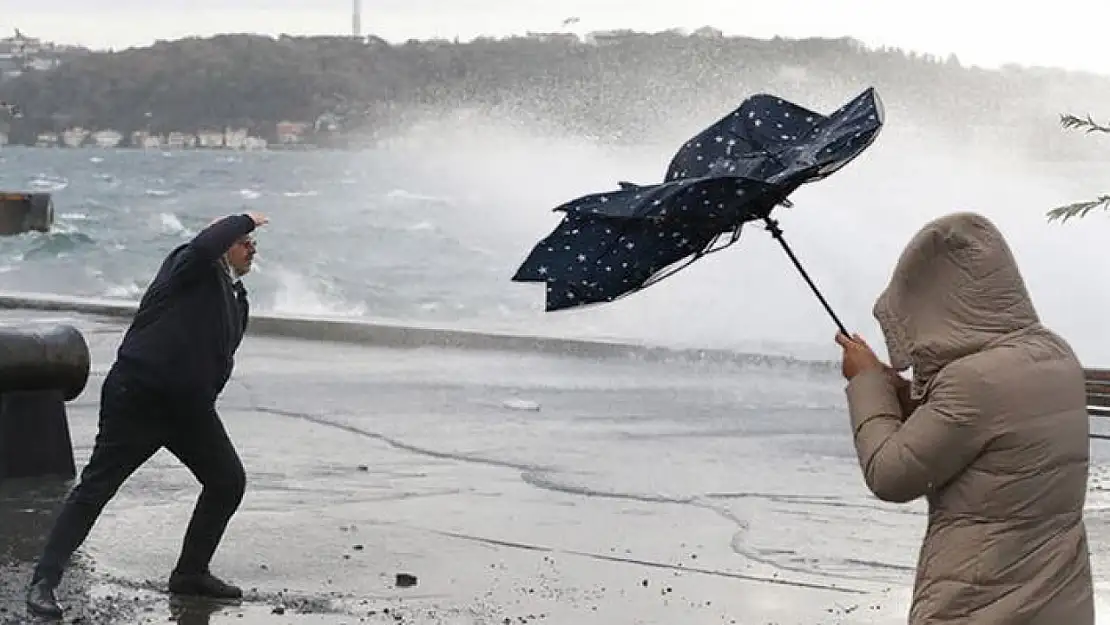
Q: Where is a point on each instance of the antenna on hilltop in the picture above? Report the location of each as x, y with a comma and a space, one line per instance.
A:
356, 19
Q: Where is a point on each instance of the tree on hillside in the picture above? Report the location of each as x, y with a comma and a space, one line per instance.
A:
619, 87
1080, 209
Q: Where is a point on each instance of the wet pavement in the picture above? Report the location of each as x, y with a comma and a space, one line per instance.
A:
514, 488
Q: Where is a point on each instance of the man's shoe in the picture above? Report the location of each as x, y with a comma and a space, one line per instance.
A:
203, 585
41, 600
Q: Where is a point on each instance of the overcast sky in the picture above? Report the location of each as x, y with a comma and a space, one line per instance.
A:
983, 32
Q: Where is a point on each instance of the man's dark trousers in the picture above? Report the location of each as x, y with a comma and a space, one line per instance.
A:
136, 422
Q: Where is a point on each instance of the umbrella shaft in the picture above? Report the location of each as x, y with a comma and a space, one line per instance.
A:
776, 232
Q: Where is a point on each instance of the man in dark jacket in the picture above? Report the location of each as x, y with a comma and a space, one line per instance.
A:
171, 366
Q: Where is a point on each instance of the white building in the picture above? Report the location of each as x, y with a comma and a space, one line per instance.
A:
107, 138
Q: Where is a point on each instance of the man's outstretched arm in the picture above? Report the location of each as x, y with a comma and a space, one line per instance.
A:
213, 242
220, 235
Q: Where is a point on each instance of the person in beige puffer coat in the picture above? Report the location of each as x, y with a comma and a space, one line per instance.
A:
992, 431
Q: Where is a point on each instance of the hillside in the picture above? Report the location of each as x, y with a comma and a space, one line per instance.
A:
616, 87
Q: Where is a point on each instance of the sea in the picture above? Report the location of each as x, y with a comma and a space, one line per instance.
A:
428, 228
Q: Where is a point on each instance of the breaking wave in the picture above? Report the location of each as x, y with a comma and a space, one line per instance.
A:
427, 229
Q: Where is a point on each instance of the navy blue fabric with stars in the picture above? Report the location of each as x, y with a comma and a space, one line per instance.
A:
613, 243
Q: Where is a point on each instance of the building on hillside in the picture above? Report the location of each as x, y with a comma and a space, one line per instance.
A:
291, 132
74, 137
180, 140
20, 53
208, 138
146, 141
107, 138
235, 138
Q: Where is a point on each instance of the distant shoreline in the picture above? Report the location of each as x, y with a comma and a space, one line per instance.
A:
619, 86
276, 147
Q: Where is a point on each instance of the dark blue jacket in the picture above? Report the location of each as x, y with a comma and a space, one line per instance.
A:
190, 321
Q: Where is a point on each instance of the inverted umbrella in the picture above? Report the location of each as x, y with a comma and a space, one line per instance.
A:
614, 243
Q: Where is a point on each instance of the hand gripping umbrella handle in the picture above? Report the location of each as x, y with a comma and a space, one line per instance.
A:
776, 232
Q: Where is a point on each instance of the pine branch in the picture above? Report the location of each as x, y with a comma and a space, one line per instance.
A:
1078, 209
1071, 121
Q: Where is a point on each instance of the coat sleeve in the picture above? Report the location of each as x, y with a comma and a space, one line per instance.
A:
212, 242
208, 246
903, 458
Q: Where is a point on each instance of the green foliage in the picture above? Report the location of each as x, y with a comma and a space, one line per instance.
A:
1080, 209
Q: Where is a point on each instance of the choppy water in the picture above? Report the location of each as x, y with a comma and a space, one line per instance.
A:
431, 228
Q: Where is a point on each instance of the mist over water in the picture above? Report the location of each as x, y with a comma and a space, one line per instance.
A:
429, 226
847, 230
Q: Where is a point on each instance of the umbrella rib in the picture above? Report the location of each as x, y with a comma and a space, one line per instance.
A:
704, 252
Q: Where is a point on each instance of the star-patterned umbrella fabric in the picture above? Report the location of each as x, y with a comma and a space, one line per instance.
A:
613, 243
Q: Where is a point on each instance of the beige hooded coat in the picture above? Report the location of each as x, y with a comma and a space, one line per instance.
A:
994, 435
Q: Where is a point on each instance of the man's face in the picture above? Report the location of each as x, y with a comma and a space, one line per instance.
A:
240, 255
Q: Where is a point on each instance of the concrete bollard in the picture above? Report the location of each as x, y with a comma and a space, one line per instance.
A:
25, 212
40, 370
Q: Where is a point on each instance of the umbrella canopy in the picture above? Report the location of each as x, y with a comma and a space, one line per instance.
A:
737, 170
